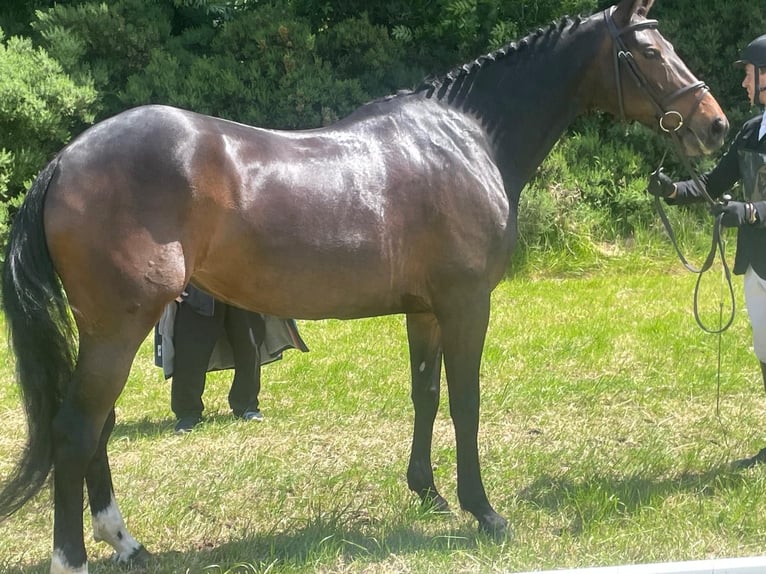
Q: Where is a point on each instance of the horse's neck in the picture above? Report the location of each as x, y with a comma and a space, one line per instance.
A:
528, 99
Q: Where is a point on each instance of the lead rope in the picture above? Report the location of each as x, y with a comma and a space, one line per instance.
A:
720, 354
717, 244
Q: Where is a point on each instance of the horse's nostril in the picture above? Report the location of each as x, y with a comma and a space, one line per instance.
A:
720, 126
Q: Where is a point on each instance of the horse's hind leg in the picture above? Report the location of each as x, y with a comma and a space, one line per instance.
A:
79, 437
463, 321
425, 364
108, 525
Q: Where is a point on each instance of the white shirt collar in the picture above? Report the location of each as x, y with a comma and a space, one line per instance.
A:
762, 131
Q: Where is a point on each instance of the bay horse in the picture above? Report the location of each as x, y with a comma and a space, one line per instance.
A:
409, 205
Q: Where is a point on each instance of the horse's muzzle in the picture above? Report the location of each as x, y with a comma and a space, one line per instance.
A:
705, 135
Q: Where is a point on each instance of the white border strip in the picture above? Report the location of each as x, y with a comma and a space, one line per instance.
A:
751, 565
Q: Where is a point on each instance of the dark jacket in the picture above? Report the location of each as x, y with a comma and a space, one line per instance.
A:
751, 239
280, 335
202, 302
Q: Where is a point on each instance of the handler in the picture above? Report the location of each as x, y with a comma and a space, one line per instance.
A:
744, 161
198, 334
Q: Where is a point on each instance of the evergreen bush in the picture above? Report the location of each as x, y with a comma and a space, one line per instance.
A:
40, 108
305, 63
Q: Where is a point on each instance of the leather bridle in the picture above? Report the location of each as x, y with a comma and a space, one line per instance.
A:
663, 114
622, 55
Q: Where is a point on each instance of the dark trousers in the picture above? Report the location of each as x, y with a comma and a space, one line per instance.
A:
194, 338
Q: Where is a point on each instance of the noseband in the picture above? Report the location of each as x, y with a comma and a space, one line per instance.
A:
663, 113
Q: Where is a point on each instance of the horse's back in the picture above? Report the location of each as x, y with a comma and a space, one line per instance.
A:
364, 217
350, 220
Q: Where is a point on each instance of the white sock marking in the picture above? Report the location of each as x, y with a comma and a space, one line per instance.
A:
108, 526
59, 565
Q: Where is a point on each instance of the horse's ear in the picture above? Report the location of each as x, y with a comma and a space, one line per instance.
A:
626, 8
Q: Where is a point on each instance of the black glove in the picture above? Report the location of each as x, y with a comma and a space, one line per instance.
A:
733, 213
660, 185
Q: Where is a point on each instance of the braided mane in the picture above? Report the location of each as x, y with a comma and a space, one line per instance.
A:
452, 82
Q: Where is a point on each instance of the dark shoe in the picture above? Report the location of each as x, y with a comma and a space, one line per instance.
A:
187, 424
252, 415
744, 463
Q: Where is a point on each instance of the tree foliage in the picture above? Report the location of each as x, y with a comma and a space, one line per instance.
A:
295, 63
710, 36
40, 109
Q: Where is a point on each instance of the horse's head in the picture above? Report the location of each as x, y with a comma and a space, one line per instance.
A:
640, 77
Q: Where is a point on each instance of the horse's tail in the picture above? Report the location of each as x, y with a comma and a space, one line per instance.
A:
42, 337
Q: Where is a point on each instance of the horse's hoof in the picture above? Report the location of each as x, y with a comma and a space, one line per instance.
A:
138, 558
437, 504
432, 501
496, 528
746, 463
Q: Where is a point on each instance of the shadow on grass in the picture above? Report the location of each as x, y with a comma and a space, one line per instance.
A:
147, 428
599, 497
318, 543
142, 428
339, 536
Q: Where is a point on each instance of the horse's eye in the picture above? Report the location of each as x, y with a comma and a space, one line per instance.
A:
651, 53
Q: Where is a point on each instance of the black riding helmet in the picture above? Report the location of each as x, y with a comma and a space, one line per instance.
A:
755, 54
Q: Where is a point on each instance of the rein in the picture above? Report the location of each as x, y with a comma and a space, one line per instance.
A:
716, 245
622, 55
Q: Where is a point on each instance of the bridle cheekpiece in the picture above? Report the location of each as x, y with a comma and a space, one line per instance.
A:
622, 55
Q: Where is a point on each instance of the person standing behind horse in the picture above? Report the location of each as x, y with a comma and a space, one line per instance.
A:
208, 334
745, 162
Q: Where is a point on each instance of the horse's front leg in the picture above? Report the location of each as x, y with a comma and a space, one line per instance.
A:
425, 363
108, 524
463, 321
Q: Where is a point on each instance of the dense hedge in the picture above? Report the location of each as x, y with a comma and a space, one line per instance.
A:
305, 63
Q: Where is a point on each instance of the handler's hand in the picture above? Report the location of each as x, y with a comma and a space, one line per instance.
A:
660, 185
733, 213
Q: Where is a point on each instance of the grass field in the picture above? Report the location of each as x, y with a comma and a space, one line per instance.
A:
601, 442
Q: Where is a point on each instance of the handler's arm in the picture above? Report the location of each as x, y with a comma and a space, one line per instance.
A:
716, 182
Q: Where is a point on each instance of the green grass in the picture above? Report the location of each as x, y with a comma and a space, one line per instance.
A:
600, 442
